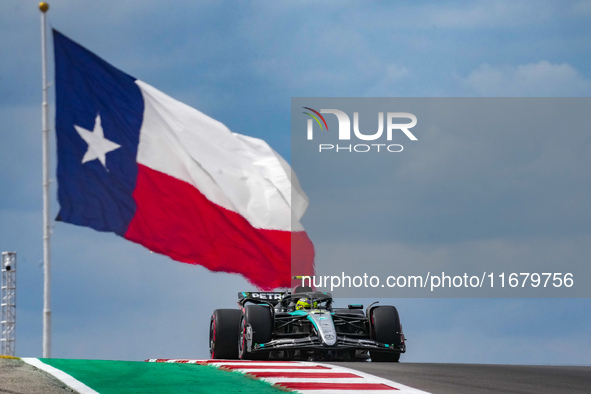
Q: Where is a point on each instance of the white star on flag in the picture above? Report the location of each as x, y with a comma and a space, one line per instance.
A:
98, 145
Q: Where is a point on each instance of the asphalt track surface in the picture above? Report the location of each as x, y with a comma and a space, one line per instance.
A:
481, 378
18, 377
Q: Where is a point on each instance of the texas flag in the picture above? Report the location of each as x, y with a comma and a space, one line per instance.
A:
136, 162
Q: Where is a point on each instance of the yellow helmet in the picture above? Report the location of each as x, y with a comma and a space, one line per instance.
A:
303, 303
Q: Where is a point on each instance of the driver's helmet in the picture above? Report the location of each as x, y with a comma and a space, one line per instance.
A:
303, 303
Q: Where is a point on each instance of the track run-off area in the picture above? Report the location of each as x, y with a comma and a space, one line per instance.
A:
31, 375
307, 377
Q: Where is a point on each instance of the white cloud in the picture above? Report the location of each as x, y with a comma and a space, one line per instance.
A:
386, 86
490, 14
534, 79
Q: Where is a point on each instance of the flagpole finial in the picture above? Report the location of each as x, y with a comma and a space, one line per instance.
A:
43, 6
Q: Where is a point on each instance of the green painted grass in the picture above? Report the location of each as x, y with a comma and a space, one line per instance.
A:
111, 377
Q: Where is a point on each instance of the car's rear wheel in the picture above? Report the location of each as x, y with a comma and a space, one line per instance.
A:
386, 329
261, 321
223, 333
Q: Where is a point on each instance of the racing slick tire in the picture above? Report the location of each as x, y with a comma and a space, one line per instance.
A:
386, 329
223, 333
260, 319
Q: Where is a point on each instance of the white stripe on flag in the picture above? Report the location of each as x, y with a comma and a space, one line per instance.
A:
240, 173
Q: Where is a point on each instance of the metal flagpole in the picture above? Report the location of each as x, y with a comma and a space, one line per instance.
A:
46, 230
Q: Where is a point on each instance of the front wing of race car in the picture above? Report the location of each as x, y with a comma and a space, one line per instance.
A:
315, 343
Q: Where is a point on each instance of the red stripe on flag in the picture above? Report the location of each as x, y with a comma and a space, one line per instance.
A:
175, 219
335, 386
272, 366
307, 375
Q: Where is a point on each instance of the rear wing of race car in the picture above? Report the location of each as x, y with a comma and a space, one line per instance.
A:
271, 297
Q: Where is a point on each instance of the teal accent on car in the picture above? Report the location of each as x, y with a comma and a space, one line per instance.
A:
298, 313
303, 313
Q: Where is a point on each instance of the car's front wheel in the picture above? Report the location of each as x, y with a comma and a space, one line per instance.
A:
386, 329
259, 318
223, 333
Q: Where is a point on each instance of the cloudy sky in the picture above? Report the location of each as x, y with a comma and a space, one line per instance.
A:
242, 64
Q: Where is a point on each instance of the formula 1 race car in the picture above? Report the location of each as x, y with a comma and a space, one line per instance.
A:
302, 325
